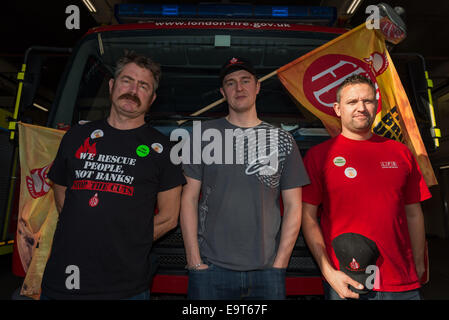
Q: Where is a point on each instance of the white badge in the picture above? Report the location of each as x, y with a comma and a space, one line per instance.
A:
157, 147
350, 172
97, 134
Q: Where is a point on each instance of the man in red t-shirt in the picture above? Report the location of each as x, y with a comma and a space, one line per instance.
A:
370, 186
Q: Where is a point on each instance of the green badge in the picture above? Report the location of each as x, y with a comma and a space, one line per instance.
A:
142, 150
339, 161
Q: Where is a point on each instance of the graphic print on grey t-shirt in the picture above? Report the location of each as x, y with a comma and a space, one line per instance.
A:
263, 153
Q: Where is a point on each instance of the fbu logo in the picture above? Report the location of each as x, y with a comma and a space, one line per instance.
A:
37, 183
323, 77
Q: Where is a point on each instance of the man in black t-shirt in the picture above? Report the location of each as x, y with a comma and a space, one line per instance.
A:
108, 177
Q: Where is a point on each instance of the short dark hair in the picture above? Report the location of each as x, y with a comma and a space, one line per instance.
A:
143, 62
355, 79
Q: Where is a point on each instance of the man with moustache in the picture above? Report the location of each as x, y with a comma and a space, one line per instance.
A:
237, 245
366, 190
109, 175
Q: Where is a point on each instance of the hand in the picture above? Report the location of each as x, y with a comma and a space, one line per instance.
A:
420, 269
202, 266
340, 282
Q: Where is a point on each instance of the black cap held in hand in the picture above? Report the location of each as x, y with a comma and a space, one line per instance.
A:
355, 253
235, 64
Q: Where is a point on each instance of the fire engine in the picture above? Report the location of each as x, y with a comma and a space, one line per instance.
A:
191, 42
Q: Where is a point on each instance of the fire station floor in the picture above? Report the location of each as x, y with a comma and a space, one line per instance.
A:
436, 289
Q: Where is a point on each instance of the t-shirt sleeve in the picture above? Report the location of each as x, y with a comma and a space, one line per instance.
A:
194, 171
59, 170
416, 189
313, 192
170, 175
294, 174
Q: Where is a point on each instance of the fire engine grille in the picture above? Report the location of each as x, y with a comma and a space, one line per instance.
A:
170, 254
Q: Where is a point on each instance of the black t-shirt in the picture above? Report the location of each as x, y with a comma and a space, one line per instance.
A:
101, 247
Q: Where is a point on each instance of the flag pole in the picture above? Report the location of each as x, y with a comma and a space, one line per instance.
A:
213, 104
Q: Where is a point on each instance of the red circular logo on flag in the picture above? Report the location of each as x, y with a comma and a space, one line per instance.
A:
93, 202
323, 77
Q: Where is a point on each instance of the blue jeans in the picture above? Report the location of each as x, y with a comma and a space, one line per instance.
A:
331, 294
216, 283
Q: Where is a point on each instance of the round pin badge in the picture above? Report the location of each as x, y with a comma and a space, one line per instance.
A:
97, 134
142, 150
93, 202
339, 161
157, 147
350, 172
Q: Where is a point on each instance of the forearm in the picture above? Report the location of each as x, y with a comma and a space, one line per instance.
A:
415, 221
291, 224
59, 194
315, 241
338, 280
189, 227
164, 222
168, 203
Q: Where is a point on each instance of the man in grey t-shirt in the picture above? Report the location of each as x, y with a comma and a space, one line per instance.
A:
237, 245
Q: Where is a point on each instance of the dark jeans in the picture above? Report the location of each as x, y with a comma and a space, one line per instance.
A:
331, 294
141, 296
216, 283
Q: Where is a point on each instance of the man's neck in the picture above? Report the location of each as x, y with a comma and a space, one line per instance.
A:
357, 135
247, 119
121, 122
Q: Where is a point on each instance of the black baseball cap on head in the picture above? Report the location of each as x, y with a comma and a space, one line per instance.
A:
355, 253
235, 64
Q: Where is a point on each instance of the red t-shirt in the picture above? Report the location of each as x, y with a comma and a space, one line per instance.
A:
363, 187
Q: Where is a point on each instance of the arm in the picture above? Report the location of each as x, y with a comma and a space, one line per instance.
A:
168, 203
338, 280
59, 193
189, 222
415, 220
291, 222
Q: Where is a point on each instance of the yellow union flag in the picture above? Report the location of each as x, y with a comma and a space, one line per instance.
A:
37, 210
313, 80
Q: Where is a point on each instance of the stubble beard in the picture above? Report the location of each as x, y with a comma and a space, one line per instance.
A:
365, 126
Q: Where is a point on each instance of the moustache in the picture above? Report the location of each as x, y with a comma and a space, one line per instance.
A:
366, 114
131, 97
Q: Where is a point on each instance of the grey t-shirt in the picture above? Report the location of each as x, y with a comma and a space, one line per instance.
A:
239, 211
